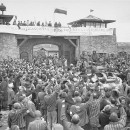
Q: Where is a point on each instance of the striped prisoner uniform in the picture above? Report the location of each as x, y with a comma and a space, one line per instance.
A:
117, 125
15, 117
94, 111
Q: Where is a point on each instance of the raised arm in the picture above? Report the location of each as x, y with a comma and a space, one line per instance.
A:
31, 108
126, 90
85, 105
101, 96
9, 121
63, 118
123, 117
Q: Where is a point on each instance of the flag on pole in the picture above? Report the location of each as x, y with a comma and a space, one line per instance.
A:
91, 10
60, 11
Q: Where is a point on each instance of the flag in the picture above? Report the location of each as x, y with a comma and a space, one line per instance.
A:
91, 10
60, 11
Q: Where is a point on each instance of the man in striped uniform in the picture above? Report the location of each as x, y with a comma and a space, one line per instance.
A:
117, 124
50, 100
94, 111
15, 117
80, 109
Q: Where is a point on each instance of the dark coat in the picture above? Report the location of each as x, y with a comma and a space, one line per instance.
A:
104, 119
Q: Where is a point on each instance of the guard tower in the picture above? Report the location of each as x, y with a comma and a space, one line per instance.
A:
91, 21
98, 39
4, 19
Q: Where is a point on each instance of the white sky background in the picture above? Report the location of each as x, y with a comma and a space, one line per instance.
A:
42, 10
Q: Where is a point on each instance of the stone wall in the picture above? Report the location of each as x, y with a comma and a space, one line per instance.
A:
100, 44
8, 46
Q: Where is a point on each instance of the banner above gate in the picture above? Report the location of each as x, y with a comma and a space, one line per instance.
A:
52, 31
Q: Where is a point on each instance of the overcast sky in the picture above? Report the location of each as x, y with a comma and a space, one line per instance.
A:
42, 10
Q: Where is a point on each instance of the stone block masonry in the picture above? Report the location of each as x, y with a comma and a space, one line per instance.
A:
8, 46
100, 44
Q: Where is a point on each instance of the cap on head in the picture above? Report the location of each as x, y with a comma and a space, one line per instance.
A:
76, 93
75, 119
113, 101
115, 93
103, 80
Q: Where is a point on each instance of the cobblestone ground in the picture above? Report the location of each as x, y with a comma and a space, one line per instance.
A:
4, 120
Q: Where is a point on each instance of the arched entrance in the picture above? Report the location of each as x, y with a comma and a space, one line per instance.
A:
66, 48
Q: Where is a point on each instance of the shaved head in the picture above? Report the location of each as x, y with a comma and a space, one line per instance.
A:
38, 114
75, 119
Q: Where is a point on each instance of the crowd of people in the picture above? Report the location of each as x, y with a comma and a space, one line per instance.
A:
33, 23
51, 95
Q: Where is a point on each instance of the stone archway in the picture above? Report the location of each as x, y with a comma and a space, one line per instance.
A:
66, 49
